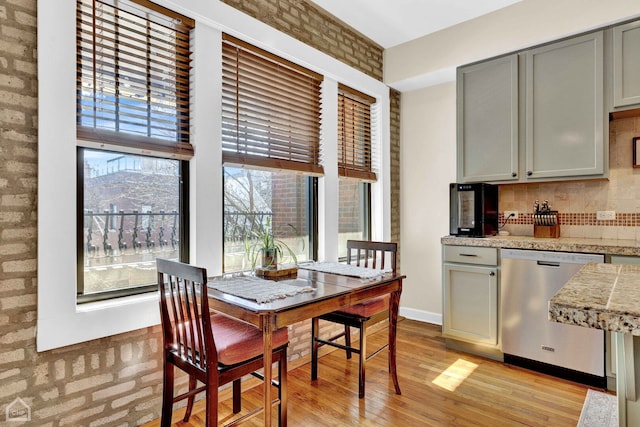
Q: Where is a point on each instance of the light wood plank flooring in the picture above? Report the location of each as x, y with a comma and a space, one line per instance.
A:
440, 387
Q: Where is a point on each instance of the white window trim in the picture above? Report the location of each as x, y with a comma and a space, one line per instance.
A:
61, 321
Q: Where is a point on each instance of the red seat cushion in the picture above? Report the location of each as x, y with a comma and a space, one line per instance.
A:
368, 308
238, 341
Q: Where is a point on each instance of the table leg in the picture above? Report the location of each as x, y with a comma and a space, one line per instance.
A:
394, 303
267, 335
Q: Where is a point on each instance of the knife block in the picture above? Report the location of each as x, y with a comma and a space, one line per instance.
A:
552, 231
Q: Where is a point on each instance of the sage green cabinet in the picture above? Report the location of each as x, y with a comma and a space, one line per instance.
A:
536, 115
626, 64
565, 108
487, 120
470, 295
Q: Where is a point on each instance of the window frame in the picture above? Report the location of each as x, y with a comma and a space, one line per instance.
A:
57, 309
117, 87
183, 246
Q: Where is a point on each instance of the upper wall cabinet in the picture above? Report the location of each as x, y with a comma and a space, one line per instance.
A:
626, 64
564, 108
487, 120
537, 115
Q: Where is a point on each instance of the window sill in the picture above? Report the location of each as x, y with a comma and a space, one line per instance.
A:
96, 320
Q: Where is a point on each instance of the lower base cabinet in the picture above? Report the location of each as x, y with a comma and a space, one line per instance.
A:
470, 295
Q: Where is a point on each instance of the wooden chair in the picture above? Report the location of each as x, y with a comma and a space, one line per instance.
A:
211, 348
365, 254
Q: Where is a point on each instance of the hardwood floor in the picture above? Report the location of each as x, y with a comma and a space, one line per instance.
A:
440, 387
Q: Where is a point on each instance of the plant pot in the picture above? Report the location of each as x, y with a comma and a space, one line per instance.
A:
270, 258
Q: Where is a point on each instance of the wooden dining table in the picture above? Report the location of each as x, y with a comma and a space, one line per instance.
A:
328, 292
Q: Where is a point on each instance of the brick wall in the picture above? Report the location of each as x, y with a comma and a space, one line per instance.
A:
394, 99
314, 26
114, 380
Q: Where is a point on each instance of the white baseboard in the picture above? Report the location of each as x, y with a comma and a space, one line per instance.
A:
421, 315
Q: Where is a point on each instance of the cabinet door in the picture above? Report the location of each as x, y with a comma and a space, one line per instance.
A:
626, 64
487, 121
471, 303
564, 108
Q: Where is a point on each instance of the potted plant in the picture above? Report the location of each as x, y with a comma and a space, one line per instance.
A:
264, 245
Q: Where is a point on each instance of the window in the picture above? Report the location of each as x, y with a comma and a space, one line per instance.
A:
356, 166
133, 137
254, 198
271, 128
58, 307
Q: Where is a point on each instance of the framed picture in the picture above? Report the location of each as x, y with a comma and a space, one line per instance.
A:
636, 152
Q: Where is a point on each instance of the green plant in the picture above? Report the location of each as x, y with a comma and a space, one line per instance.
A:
263, 244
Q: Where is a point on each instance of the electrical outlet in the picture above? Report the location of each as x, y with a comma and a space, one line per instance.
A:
511, 214
605, 215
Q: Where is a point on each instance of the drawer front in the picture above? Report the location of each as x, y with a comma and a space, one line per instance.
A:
471, 255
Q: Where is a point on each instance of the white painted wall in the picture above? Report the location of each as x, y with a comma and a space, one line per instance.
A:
424, 70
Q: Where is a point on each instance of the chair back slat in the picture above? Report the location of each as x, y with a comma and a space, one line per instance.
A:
184, 312
370, 254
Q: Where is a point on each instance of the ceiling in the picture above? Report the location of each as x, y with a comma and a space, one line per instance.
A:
393, 22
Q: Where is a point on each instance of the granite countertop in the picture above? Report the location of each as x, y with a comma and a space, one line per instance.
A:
566, 244
600, 296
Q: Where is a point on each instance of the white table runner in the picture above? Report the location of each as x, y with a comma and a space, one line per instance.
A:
256, 289
345, 269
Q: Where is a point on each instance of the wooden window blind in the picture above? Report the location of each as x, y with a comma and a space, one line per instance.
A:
355, 149
270, 110
133, 64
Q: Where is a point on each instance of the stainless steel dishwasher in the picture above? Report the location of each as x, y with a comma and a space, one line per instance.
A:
528, 281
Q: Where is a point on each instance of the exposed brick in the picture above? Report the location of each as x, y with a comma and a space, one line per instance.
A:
16, 99
60, 369
25, 19
86, 383
79, 415
19, 266
41, 373
11, 81
9, 373
12, 116
12, 355
95, 361
110, 420
16, 200
11, 217
14, 249
19, 301
26, 67
77, 366
113, 391
21, 167
29, 183
145, 392
12, 388
18, 34
24, 4
126, 352
130, 371
50, 394
18, 233
12, 284
17, 336
61, 406
14, 135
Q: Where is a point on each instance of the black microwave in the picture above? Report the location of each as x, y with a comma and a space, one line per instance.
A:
473, 209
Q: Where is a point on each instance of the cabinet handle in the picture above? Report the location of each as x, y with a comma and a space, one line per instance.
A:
470, 255
529, 173
492, 274
513, 174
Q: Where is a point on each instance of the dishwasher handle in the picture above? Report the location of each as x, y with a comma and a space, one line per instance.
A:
548, 263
